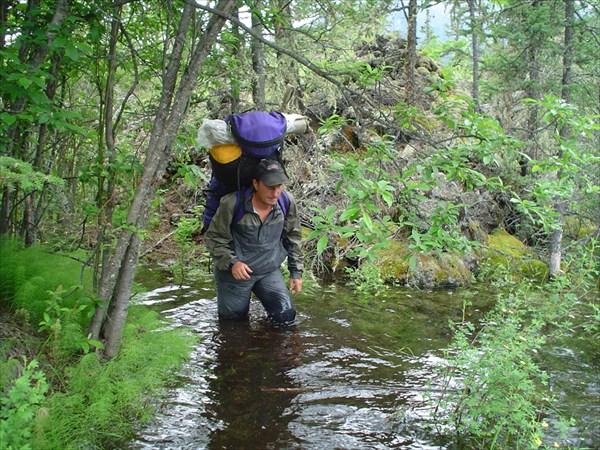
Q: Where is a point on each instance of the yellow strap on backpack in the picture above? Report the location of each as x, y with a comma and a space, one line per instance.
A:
226, 153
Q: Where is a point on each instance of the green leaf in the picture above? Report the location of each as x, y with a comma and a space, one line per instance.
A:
387, 198
71, 52
313, 234
368, 222
96, 344
350, 214
412, 262
25, 82
322, 244
8, 119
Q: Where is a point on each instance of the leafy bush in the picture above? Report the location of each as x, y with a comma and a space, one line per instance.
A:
496, 394
102, 400
20, 406
94, 403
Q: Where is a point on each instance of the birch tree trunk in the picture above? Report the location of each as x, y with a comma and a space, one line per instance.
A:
556, 236
178, 82
411, 53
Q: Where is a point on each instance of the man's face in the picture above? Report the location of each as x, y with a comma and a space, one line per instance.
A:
268, 195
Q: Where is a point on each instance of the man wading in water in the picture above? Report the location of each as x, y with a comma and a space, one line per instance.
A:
249, 237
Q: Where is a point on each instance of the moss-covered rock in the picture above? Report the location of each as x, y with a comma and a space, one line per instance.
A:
506, 252
504, 255
507, 246
393, 261
430, 270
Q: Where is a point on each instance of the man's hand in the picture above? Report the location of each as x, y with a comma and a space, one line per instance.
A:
295, 285
241, 271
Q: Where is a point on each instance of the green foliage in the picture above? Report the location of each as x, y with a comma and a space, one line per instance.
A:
332, 123
31, 276
102, 400
95, 403
496, 394
441, 233
567, 173
17, 174
363, 73
192, 175
25, 81
189, 251
65, 323
20, 405
362, 221
367, 279
33, 279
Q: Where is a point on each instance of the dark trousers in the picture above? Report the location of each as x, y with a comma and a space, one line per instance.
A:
233, 296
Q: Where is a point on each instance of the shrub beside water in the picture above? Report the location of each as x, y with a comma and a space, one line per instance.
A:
496, 394
65, 396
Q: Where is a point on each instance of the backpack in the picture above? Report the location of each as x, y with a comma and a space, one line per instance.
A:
258, 135
242, 196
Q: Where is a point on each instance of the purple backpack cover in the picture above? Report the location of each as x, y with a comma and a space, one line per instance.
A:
258, 133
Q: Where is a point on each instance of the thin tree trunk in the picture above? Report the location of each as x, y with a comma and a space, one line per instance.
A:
33, 212
33, 56
474, 54
235, 81
107, 204
117, 283
411, 53
258, 61
556, 236
533, 92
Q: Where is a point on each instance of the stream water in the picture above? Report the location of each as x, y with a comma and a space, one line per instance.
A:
347, 375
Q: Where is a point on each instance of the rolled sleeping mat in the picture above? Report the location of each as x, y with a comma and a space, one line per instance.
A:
214, 132
295, 123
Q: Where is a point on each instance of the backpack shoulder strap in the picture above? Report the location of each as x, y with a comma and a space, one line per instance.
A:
242, 196
284, 202
240, 201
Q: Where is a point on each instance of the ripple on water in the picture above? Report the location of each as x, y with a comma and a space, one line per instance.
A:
341, 378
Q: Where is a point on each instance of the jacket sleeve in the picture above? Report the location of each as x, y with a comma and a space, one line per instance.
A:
292, 240
218, 239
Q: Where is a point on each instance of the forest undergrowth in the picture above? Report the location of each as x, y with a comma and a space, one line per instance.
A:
56, 391
495, 383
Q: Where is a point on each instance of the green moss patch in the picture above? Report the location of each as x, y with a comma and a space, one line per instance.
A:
430, 271
508, 254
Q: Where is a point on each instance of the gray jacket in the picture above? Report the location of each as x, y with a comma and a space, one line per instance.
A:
262, 246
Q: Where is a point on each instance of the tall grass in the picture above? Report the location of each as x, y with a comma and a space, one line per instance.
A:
90, 403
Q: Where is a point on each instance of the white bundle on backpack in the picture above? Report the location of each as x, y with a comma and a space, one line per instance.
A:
217, 131
214, 132
295, 123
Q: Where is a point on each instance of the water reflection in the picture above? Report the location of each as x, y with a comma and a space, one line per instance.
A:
348, 375
251, 387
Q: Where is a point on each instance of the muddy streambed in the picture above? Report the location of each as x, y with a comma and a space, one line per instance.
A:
349, 374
